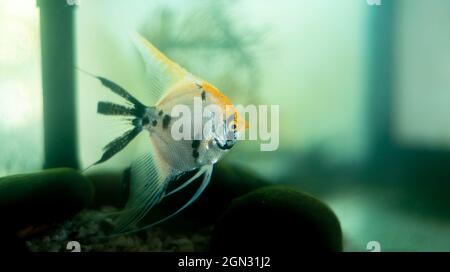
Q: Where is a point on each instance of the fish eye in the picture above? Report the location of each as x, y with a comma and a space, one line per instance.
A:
232, 125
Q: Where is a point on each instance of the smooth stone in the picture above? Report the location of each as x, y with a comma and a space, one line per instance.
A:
277, 219
29, 202
109, 188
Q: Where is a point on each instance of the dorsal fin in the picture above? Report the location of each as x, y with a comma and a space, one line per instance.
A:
163, 72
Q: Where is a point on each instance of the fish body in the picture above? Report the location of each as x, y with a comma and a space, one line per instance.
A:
186, 154
208, 138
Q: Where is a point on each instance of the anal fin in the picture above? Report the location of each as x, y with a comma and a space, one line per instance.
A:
148, 181
207, 172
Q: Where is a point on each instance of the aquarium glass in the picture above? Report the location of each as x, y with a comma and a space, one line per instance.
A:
20, 88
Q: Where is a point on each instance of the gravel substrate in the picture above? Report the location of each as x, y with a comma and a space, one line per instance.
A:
89, 224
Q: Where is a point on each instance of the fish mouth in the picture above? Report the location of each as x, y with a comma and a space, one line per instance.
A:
228, 144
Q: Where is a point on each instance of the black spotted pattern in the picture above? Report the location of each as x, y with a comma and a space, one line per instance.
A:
166, 121
145, 121
195, 147
195, 144
195, 153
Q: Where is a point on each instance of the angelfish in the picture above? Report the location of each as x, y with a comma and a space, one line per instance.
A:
167, 158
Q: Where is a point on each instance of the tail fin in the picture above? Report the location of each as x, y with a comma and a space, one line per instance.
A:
119, 143
108, 108
138, 106
115, 88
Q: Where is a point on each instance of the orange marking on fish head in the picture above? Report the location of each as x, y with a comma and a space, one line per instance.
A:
226, 105
222, 100
240, 122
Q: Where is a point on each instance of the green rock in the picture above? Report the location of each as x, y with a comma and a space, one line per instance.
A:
277, 219
43, 198
109, 189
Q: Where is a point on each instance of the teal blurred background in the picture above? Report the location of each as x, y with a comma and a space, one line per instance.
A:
364, 95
